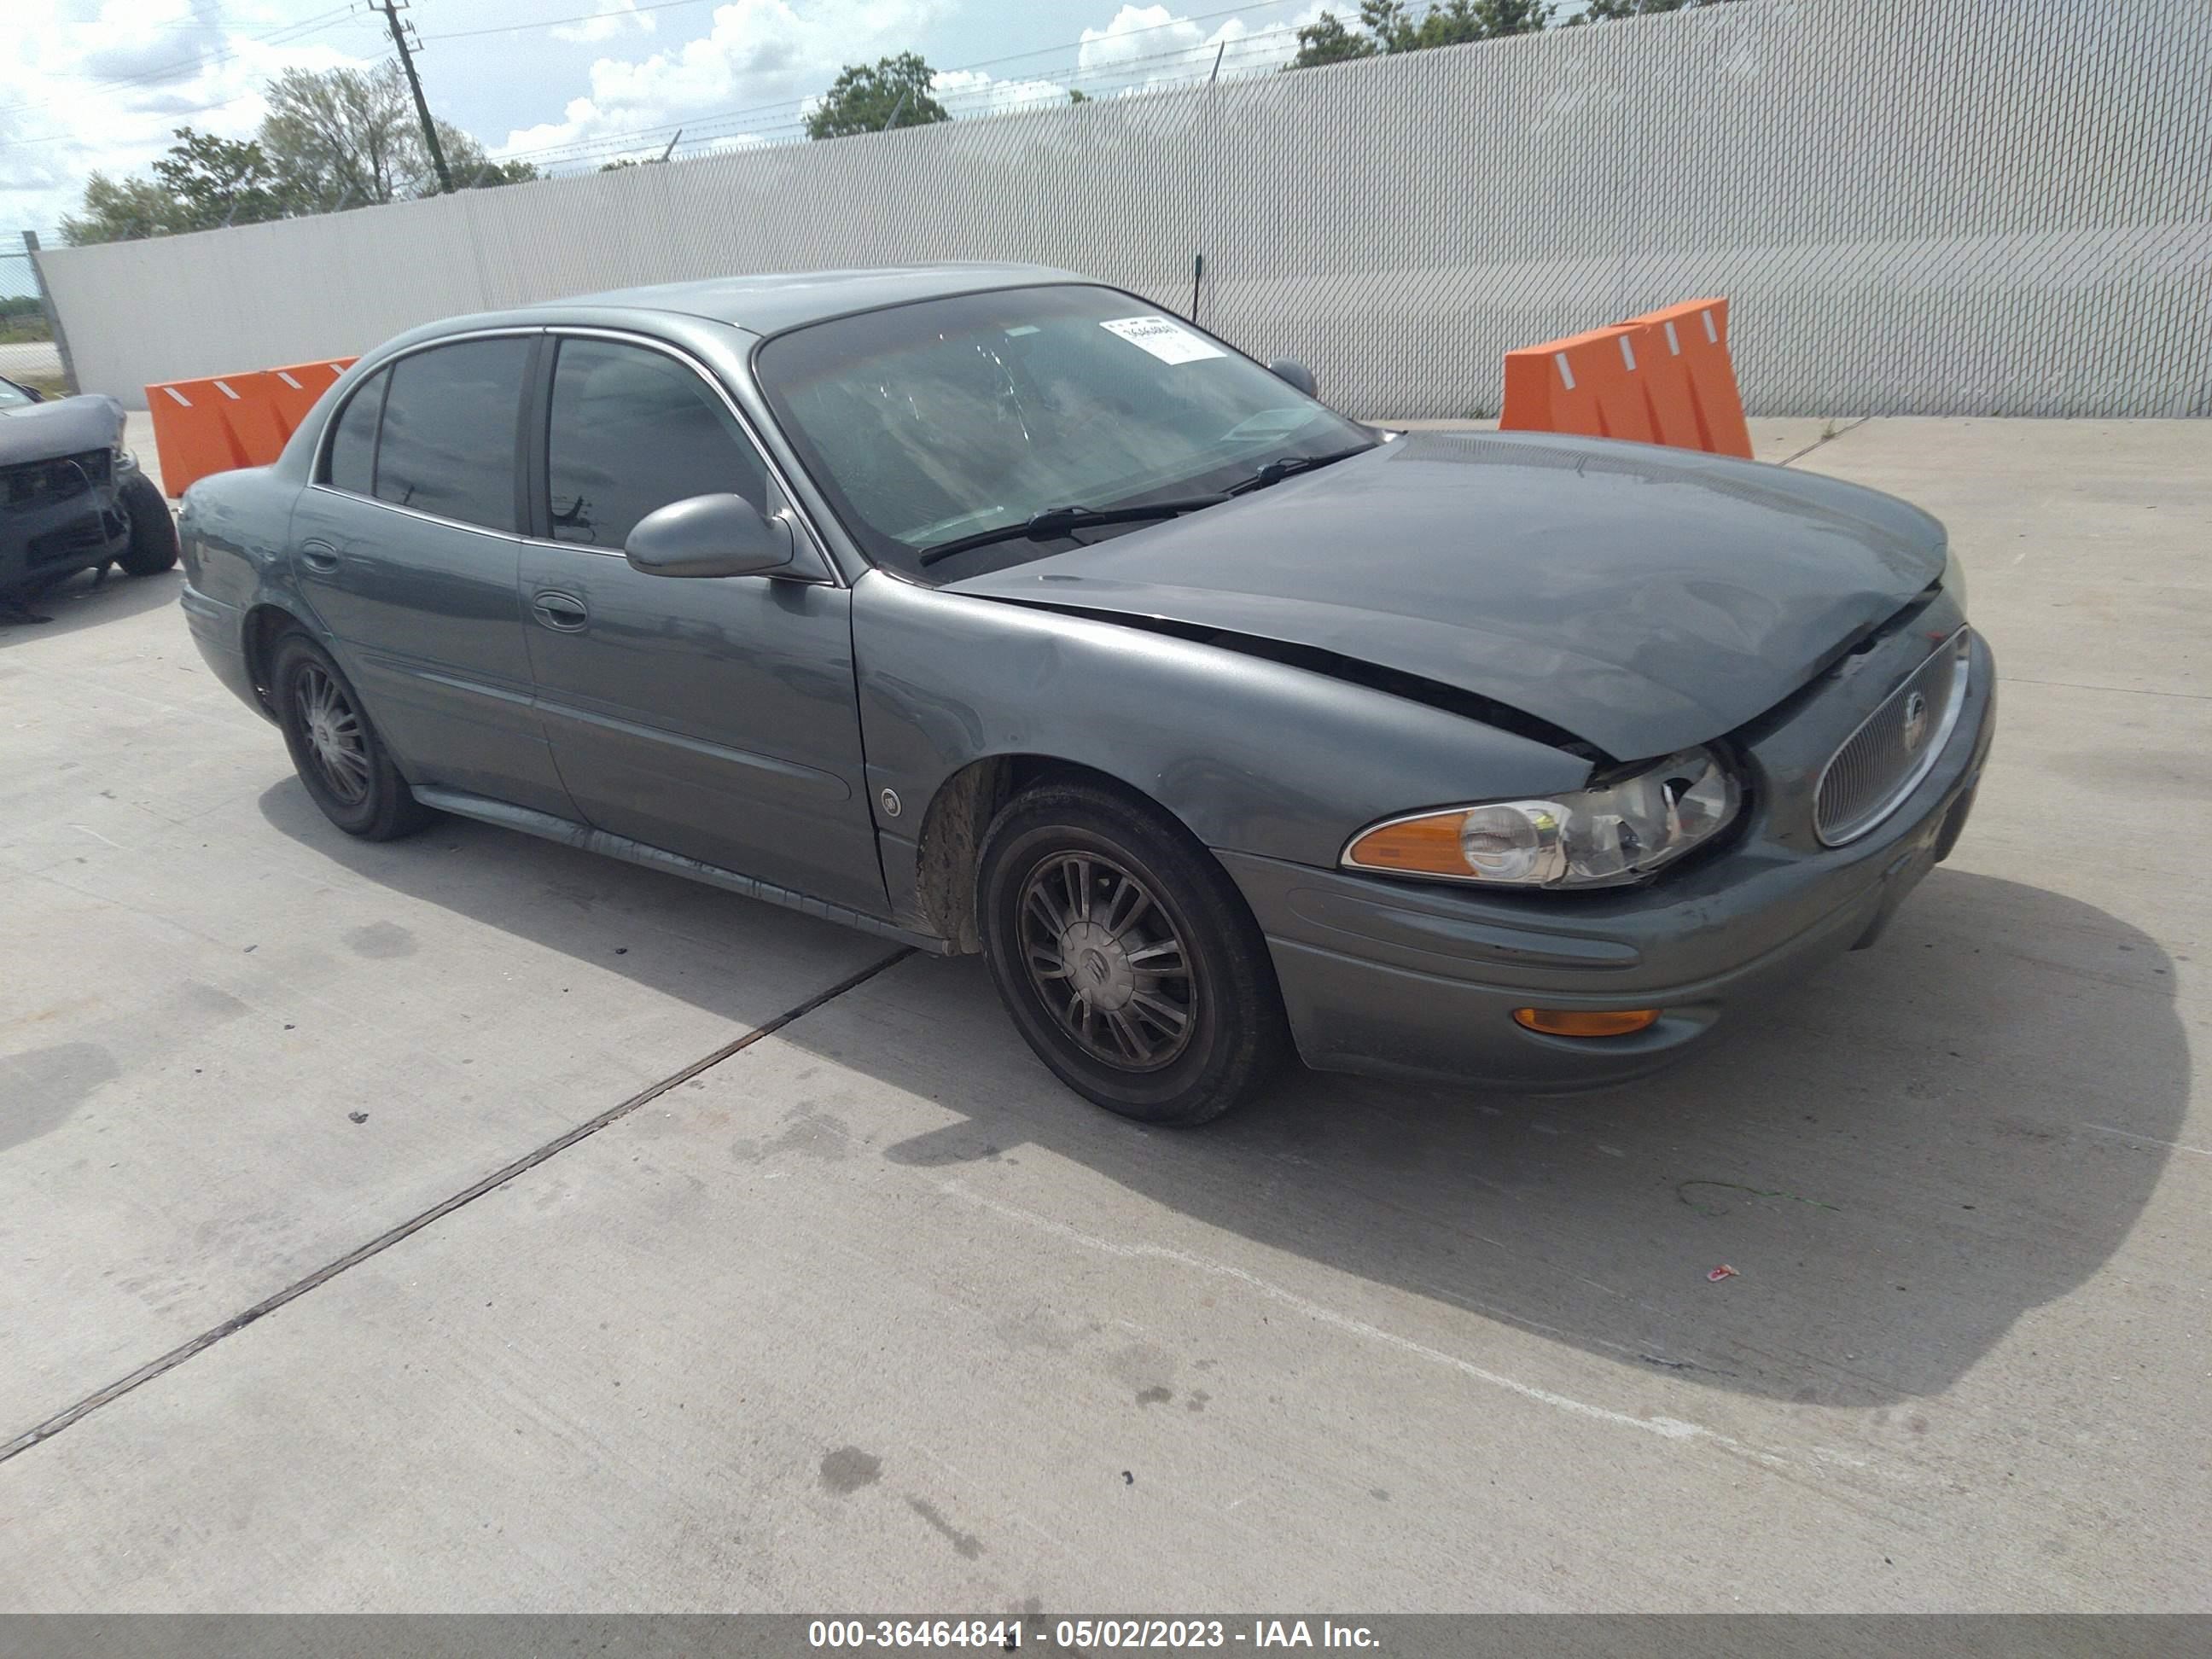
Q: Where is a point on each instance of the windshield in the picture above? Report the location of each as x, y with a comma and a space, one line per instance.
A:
925, 423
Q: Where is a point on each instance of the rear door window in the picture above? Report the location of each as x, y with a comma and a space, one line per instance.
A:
631, 429
449, 440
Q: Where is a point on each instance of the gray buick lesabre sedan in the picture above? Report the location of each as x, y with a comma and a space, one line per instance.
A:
990, 609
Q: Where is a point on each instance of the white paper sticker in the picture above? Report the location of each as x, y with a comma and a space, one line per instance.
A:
1165, 337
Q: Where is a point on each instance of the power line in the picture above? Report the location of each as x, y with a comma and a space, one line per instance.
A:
581, 149
558, 22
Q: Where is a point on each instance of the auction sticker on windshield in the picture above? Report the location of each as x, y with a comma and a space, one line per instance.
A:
1162, 336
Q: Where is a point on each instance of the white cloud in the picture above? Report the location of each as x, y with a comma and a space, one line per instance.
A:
1148, 46
62, 114
975, 92
750, 79
759, 66
615, 17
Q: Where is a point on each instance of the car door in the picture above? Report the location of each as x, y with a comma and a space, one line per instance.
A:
712, 717
407, 546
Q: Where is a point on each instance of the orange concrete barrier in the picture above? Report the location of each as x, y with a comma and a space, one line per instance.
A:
230, 421
293, 390
1585, 383
1687, 346
1662, 377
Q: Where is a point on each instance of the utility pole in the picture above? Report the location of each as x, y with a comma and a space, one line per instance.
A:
407, 63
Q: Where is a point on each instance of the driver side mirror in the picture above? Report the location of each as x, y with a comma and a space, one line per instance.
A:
709, 535
1291, 371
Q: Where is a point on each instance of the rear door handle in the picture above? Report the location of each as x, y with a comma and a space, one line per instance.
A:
319, 556
563, 612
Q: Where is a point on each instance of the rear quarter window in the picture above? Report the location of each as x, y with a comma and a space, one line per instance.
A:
350, 464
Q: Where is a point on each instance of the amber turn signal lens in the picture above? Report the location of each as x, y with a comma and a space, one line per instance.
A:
1430, 845
1586, 1022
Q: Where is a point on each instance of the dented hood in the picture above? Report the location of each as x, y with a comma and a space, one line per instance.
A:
59, 426
1645, 599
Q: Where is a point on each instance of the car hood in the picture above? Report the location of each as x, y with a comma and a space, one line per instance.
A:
1641, 598
60, 426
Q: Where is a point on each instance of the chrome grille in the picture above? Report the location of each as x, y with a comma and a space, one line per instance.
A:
1894, 748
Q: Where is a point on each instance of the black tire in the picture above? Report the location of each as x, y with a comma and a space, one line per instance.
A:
1053, 852
338, 755
153, 546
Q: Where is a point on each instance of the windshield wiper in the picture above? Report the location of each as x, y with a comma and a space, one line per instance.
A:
1281, 468
1056, 522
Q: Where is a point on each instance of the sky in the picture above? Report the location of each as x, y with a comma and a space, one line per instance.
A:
101, 84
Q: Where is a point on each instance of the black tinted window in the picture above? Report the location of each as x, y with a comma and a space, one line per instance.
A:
352, 460
448, 442
632, 429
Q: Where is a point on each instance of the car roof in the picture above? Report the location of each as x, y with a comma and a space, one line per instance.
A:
768, 303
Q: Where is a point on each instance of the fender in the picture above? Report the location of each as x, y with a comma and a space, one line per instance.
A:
1251, 756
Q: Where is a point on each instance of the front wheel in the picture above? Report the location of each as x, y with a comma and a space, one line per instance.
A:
1125, 955
153, 545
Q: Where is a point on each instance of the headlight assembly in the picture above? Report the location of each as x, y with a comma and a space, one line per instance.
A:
1617, 832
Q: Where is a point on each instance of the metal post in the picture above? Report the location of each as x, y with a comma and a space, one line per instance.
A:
670, 151
430, 128
896, 108
1213, 98
53, 314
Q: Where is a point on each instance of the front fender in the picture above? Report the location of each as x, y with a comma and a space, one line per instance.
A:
1251, 756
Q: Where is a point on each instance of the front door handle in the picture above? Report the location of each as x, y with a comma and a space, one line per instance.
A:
319, 556
563, 612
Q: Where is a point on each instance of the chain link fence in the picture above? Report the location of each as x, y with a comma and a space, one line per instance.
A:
1967, 209
29, 354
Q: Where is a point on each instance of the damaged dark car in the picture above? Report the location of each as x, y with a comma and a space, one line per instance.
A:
72, 498
990, 609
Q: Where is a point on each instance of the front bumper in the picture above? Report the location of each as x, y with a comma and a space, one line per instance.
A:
45, 541
1407, 979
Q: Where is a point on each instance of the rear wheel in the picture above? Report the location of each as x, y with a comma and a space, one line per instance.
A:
1125, 955
153, 546
337, 751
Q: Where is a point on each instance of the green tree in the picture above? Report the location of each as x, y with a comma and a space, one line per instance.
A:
1077, 95
349, 138
1389, 26
124, 210
865, 97
1325, 40
343, 136
472, 167
1598, 11
219, 181
1453, 23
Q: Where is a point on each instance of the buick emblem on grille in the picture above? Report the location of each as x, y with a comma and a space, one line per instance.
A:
1915, 729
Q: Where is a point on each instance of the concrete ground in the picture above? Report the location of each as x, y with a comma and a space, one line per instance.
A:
870, 1315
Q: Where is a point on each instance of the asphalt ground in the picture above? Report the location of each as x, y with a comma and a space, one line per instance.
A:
466, 1223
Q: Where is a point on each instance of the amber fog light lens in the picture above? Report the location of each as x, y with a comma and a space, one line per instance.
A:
1586, 1022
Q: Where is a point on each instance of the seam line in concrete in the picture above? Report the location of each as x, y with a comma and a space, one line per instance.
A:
383, 1241
2117, 690
1824, 437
